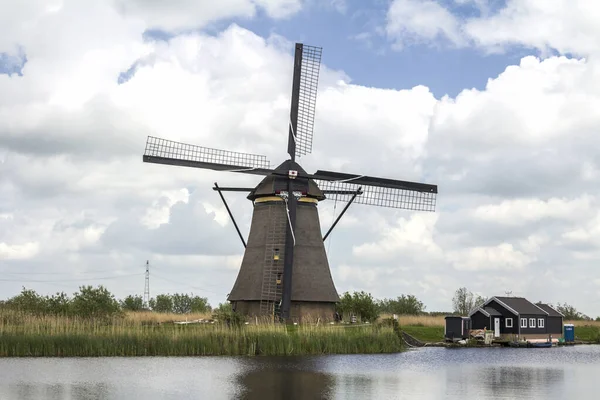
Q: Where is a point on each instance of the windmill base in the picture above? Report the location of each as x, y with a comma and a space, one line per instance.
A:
301, 311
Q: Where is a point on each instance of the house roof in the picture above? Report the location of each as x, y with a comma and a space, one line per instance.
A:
522, 305
551, 311
479, 309
492, 311
487, 311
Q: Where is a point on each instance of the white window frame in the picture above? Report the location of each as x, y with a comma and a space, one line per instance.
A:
508, 322
532, 322
541, 323
523, 322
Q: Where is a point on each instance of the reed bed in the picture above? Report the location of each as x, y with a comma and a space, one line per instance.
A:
583, 322
144, 317
50, 336
418, 320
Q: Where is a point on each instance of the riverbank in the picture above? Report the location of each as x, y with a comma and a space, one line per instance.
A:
431, 329
44, 336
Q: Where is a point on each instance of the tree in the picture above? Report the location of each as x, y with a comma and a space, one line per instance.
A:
132, 303
479, 300
58, 304
185, 304
94, 302
225, 314
200, 305
464, 301
570, 312
403, 305
182, 303
28, 301
162, 303
360, 304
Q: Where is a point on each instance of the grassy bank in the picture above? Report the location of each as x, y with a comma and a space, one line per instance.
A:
422, 327
431, 329
30, 336
429, 334
587, 332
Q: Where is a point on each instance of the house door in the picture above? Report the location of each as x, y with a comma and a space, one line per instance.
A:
496, 327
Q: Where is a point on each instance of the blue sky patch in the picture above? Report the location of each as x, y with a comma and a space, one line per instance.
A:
353, 41
12, 64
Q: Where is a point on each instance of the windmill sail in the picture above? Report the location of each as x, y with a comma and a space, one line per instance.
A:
163, 151
381, 192
307, 63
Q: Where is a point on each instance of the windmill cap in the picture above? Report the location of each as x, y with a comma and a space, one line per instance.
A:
274, 184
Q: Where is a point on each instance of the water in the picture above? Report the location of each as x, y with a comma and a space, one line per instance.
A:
430, 373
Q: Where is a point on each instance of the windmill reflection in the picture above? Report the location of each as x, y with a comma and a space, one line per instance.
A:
285, 383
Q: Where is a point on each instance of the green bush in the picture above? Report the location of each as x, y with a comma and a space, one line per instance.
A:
224, 314
360, 304
132, 303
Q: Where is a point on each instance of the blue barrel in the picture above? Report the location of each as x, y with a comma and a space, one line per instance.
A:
569, 333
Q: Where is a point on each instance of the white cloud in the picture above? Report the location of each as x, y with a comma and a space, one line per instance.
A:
501, 257
417, 20
180, 15
280, 8
526, 210
566, 26
18, 251
533, 243
340, 6
513, 132
414, 236
586, 233
158, 213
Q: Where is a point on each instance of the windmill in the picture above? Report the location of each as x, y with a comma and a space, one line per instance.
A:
285, 272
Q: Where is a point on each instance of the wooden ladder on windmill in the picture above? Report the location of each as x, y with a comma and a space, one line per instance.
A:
273, 267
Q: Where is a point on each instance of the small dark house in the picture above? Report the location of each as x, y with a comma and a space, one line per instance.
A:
554, 321
457, 328
517, 316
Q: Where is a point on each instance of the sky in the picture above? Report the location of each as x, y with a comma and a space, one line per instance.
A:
496, 102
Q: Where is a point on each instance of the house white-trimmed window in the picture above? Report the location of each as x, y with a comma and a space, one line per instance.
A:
540, 322
508, 322
532, 322
523, 322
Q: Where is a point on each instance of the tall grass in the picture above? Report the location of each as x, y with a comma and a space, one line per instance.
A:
584, 323
418, 320
23, 335
145, 317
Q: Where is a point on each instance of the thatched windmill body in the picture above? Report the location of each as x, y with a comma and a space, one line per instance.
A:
284, 271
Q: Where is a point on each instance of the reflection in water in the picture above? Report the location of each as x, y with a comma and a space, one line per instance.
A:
82, 391
358, 386
285, 384
512, 382
306, 378
430, 373
97, 391
521, 382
